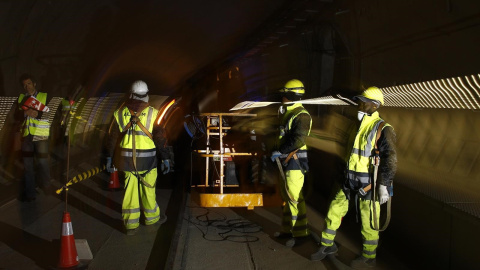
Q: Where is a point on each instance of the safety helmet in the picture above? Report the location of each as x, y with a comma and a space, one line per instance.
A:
139, 88
293, 86
372, 93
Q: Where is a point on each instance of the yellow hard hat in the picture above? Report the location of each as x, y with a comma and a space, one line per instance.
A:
293, 86
372, 93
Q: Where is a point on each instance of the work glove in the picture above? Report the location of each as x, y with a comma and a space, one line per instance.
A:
275, 154
383, 195
110, 169
165, 166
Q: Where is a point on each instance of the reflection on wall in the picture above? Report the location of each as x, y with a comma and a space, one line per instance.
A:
438, 150
453, 93
87, 124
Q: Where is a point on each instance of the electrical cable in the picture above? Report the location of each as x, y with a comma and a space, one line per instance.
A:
225, 229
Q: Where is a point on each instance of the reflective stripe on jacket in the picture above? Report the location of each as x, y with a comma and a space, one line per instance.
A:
359, 169
32, 125
146, 155
292, 112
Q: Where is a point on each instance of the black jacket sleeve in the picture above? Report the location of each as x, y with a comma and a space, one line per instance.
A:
297, 135
388, 156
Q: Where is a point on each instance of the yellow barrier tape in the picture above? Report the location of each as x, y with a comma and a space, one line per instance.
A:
80, 177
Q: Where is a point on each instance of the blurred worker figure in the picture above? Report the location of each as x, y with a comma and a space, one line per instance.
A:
291, 157
68, 106
35, 133
141, 140
360, 173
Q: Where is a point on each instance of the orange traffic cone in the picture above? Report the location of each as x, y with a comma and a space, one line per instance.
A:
114, 184
68, 251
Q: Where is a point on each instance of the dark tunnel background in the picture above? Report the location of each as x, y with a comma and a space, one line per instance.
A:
211, 55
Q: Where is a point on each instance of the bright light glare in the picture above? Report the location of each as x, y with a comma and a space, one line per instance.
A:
165, 109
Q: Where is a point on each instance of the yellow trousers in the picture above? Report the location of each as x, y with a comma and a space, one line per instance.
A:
294, 215
139, 197
338, 209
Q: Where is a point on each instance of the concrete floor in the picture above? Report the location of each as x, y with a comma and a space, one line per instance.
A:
192, 238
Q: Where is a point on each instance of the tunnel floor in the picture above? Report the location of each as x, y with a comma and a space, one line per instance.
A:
192, 238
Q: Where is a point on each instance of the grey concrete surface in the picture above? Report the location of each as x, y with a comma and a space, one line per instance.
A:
30, 231
237, 238
206, 238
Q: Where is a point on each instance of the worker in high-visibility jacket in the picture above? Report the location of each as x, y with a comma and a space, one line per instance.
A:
136, 155
35, 133
291, 153
68, 106
359, 182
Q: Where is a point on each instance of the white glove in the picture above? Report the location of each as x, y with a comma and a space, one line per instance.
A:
383, 195
109, 165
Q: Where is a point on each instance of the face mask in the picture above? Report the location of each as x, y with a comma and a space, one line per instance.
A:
281, 110
360, 115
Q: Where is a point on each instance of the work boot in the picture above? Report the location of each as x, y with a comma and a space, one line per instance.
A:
363, 263
162, 220
156, 225
296, 241
323, 251
131, 231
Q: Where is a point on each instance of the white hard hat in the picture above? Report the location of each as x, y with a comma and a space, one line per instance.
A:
139, 88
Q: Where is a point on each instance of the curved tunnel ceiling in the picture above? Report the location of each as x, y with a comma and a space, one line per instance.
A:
65, 43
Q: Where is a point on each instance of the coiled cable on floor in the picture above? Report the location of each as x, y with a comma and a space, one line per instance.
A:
234, 230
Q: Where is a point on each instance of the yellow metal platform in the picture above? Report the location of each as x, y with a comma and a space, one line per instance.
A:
249, 200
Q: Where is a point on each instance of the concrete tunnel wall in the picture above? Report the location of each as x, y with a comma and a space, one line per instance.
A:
436, 212
375, 42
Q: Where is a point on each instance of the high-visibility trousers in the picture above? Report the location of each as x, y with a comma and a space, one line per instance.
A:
294, 218
139, 197
338, 209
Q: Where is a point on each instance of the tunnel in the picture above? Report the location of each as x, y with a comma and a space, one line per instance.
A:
214, 70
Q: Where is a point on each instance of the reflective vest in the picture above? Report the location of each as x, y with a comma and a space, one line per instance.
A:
33, 126
291, 113
146, 154
359, 171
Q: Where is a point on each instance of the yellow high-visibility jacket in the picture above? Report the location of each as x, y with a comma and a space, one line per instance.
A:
359, 161
32, 125
292, 138
146, 157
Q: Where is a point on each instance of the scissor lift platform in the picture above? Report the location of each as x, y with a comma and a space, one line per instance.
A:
249, 200
222, 199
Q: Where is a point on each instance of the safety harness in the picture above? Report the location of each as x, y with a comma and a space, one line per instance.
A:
295, 112
376, 163
282, 173
284, 179
363, 191
135, 121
